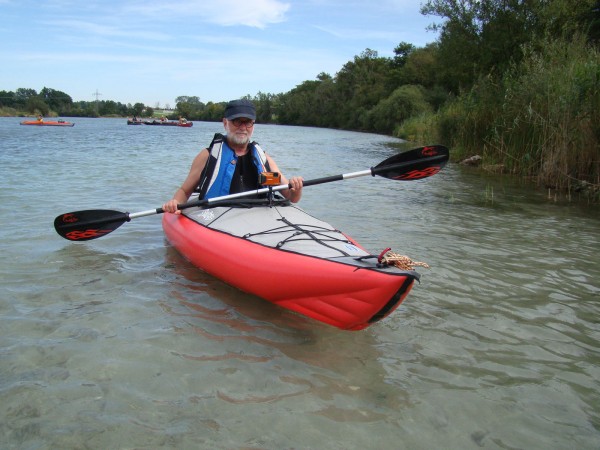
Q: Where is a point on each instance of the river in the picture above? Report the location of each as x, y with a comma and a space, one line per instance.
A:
121, 343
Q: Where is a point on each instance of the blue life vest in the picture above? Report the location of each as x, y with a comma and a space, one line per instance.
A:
215, 180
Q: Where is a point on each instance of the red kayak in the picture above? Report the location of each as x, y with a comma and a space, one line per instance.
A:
48, 123
286, 256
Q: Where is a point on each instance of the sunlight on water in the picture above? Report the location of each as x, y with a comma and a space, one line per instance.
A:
121, 343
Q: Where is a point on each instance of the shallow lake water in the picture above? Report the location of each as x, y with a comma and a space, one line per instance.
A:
121, 343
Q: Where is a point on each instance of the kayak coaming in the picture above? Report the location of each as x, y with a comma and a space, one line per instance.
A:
340, 283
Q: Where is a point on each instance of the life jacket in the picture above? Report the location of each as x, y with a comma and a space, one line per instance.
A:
216, 183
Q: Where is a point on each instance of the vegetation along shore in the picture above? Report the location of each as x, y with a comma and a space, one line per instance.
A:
513, 87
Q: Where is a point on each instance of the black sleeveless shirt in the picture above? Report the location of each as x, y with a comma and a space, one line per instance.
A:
245, 177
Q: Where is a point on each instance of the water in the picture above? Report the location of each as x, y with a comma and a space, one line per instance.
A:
120, 343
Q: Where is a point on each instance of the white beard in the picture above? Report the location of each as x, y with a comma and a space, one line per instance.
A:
239, 139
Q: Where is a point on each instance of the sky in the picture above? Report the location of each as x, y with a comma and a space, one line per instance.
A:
152, 52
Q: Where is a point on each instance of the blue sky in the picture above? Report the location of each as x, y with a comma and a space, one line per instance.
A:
154, 51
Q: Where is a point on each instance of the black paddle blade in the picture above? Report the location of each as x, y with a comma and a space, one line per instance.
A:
89, 224
413, 165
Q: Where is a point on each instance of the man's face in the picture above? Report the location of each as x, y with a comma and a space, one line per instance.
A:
239, 130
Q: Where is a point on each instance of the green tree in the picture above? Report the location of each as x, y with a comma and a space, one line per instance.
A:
137, 109
213, 112
7, 98
420, 67
405, 102
22, 95
36, 105
402, 52
486, 37
265, 107
189, 106
56, 100
360, 85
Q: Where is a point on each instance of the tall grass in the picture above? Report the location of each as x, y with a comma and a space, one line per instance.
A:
5, 111
550, 122
540, 120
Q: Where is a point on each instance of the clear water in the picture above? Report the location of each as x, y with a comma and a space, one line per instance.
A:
120, 343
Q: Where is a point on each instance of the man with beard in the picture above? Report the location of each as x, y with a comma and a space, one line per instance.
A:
232, 163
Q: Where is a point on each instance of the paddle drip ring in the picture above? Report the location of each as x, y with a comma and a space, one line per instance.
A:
402, 262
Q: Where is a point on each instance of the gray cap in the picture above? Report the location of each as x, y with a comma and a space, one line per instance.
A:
240, 108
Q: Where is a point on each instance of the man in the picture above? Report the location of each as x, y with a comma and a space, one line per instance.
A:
232, 163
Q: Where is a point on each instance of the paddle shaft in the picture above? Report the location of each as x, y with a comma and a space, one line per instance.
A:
412, 165
346, 176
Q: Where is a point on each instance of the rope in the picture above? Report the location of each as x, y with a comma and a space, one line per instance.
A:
401, 261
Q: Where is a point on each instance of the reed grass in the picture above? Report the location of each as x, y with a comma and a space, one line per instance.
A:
539, 120
5, 111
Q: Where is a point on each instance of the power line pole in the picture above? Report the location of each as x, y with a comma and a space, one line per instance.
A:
96, 94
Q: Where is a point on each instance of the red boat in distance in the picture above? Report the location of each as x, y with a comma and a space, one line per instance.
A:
48, 123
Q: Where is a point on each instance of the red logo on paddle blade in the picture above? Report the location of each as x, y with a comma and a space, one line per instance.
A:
87, 234
429, 151
418, 174
69, 218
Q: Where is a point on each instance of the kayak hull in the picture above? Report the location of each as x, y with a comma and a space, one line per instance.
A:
336, 289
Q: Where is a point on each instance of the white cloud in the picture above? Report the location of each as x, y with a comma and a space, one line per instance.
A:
257, 14
80, 26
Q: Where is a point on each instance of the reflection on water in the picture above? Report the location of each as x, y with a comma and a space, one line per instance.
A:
121, 343
240, 331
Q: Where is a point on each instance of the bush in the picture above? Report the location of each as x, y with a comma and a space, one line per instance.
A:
541, 119
404, 102
421, 129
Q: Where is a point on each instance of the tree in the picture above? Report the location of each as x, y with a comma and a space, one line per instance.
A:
264, 104
189, 106
402, 51
137, 109
36, 105
486, 37
360, 85
480, 37
405, 102
56, 100
7, 98
22, 95
312, 102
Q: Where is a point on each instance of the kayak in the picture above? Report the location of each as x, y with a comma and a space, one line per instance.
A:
284, 255
48, 123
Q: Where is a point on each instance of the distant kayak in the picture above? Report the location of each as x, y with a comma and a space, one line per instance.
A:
48, 123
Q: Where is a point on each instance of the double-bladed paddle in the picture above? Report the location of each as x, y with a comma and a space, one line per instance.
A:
415, 164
